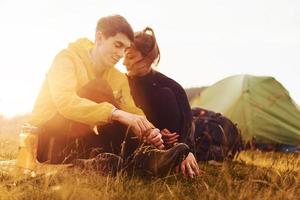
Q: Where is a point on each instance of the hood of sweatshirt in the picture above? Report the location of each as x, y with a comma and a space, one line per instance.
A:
81, 48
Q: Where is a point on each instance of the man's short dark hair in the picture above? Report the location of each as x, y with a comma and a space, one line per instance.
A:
113, 24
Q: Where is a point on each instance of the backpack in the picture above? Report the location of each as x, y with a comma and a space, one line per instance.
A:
216, 137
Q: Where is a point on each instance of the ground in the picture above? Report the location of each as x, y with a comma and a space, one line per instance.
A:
253, 175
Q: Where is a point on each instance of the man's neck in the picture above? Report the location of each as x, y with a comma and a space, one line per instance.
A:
97, 64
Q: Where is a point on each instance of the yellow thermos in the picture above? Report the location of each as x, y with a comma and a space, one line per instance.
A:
27, 155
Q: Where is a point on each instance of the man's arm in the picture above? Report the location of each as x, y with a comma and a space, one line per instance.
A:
62, 82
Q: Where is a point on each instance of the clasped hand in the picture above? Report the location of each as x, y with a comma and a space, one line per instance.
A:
140, 126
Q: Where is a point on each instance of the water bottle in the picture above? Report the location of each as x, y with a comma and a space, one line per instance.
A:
27, 155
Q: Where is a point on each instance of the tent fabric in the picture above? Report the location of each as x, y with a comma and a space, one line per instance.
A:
260, 106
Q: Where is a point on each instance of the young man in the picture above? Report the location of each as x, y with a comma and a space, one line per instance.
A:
83, 90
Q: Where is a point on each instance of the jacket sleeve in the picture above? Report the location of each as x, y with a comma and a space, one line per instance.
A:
62, 81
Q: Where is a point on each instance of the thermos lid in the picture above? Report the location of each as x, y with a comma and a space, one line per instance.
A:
26, 127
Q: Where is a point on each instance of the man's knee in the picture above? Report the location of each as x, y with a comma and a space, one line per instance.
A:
98, 90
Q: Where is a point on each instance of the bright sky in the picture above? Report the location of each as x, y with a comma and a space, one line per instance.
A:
201, 41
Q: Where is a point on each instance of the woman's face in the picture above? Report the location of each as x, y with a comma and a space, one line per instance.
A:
132, 56
136, 64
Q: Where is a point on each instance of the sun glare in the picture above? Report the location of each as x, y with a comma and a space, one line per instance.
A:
198, 47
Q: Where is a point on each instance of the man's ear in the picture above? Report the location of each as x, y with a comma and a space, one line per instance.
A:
99, 37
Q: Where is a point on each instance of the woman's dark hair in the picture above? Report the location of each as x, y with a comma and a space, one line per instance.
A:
145, 42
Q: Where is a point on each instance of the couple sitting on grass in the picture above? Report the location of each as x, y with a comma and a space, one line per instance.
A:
95, 117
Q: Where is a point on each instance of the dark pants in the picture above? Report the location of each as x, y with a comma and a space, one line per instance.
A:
62, 140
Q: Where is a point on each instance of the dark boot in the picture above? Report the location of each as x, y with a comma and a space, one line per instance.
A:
104, 163
159, 162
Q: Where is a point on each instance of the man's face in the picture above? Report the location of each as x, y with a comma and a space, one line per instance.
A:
110, 50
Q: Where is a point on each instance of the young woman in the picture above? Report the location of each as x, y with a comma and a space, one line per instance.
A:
162, 99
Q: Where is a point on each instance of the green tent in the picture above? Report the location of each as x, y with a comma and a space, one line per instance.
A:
260, 106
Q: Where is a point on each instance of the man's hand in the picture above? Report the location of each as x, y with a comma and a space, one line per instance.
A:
141, 127
154, 137
168, 137
189, 167
139, 124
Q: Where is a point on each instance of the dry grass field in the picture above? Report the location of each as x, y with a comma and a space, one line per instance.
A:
253, 175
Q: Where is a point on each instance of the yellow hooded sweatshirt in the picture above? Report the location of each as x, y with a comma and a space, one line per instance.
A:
72, 69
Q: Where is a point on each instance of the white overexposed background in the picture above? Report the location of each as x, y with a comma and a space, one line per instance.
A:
201, 41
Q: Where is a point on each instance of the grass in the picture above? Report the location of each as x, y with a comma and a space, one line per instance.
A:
253, 175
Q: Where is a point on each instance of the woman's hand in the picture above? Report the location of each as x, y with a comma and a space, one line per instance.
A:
189, 167
168, 137
140, 68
